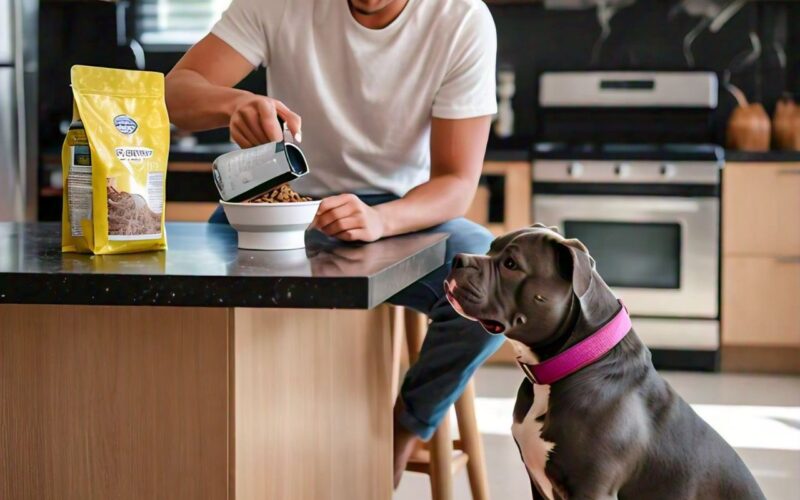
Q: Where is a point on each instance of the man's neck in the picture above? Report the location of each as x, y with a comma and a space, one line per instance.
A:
378, 19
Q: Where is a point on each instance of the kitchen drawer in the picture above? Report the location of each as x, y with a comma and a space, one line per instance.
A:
761, 209
761, 301
479, 210
189, 211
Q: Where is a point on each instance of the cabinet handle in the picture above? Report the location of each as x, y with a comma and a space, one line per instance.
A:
788, 260
789, 171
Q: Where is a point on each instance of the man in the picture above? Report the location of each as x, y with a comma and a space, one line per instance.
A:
395, 98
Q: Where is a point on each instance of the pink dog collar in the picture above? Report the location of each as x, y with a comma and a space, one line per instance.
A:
584, 353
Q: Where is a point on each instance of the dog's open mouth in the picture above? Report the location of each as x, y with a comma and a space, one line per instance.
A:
490, 325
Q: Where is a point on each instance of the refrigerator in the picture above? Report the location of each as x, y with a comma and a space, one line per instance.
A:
19, 153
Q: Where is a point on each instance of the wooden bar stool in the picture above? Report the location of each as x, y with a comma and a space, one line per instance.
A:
441, 457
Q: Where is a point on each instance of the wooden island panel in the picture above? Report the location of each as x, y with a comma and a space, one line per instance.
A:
130, 402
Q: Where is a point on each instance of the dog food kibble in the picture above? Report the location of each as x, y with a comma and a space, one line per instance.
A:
129, 214
281, 194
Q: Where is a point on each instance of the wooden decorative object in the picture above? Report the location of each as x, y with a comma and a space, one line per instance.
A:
748, 126
786, 124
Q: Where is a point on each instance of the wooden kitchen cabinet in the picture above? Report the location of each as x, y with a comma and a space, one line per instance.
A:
516, 197
762, 300
516, 214
761, 209
761, 267
190, 211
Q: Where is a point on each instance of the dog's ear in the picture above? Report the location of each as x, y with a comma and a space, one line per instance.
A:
575, 265
539, 225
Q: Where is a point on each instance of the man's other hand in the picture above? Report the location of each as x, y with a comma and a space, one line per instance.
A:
348, 218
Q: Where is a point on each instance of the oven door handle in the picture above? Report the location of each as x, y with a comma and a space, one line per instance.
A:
601, 205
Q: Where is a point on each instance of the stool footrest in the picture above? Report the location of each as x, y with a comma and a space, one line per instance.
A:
420, 461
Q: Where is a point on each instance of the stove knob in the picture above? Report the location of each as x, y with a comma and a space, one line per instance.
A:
622, 170
575, 169
668, 170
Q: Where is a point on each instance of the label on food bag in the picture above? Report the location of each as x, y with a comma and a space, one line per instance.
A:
133, 153
125, 124
79, 187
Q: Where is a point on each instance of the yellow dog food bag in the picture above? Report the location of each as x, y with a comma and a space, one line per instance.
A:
114, 162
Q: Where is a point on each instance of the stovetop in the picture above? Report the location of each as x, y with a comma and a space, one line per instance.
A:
627, 152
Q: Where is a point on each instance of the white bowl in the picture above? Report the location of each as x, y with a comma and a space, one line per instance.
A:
271, 226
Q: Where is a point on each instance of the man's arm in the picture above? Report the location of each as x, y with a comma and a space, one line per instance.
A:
457, 151
200, 96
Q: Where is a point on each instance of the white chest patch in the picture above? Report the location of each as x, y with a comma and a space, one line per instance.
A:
523, 352
528, 434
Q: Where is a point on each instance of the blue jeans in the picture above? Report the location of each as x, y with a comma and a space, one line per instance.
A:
454, 347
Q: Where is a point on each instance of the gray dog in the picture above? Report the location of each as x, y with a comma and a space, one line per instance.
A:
613, 429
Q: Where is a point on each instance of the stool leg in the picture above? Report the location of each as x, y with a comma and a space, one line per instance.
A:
441, 450
416, 326
441, 444
398, 335
471, 443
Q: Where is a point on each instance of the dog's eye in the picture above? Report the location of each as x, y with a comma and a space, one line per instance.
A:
539, 298
510, 263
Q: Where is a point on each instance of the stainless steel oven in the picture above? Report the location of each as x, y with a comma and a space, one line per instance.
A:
626, 163
653, 229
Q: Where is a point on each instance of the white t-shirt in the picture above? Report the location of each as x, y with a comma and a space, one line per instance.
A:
367, 96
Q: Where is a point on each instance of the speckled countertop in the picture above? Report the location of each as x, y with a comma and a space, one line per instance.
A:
497, 150
204, 268
762, 157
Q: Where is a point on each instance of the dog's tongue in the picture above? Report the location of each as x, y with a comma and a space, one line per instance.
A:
492, 326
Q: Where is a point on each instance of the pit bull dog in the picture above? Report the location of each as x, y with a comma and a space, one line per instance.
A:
593, 419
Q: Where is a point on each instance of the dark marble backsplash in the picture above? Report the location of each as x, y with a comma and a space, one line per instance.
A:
531, 40
646, 35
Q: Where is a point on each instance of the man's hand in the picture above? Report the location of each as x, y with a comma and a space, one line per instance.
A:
349, 219
199, 96
254, 121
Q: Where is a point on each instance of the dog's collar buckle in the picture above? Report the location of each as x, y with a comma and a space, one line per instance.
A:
582, 354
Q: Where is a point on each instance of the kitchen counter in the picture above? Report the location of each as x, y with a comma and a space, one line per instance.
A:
200, 372
525, 149
762, 157
203, 267
497, 150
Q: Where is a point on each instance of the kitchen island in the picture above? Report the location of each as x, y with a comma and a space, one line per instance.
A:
200, 372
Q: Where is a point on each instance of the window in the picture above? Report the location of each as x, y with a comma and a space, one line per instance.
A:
176, 23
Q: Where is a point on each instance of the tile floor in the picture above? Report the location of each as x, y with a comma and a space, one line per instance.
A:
759, 415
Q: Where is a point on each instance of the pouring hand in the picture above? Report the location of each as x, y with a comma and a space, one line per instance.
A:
254, 121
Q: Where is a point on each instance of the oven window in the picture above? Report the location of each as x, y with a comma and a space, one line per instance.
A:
633, 255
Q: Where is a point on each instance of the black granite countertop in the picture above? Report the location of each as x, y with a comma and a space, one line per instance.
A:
205, 153
509, 150
525, 149
732, 156
203, 267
